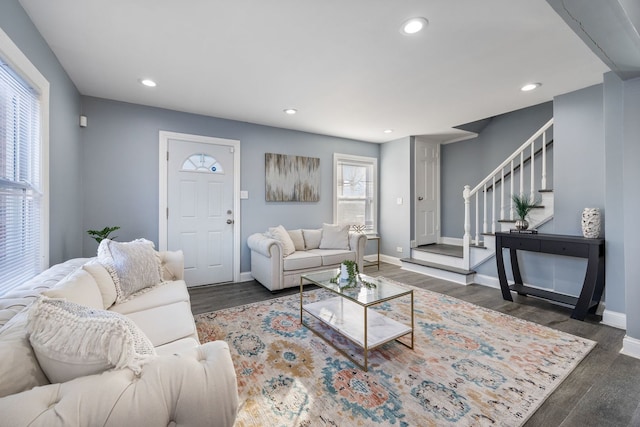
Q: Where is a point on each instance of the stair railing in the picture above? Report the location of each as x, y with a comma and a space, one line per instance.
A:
510, 165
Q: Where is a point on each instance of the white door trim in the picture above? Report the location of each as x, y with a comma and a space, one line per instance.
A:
164, 138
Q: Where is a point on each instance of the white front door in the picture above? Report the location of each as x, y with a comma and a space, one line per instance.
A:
427, 155
201, 210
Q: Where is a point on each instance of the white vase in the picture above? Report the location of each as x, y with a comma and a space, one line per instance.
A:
591, 223
344, 273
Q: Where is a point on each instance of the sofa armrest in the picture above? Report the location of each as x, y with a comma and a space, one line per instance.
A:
194, 388
264, 245
172, 265
357, 243
267, 263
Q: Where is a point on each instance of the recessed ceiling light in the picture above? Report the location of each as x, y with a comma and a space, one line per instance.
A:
413, 25
290, 111
148, 82
387, 130
530, 86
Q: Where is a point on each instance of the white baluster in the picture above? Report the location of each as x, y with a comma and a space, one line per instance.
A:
502, 194
467, 220
484, 208
521, 173
477, 219
543, 183
533, 170
511, 181
493, 206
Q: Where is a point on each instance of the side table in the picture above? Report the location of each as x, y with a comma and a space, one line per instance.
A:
377, 261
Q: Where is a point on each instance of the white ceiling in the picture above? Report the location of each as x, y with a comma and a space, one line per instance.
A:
343, 64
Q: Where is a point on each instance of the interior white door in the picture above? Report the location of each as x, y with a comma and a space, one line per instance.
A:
427, 192
200, 216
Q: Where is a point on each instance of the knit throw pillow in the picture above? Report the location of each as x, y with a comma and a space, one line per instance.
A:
71, 340
133, 266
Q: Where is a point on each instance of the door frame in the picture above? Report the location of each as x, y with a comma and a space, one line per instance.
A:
164, 137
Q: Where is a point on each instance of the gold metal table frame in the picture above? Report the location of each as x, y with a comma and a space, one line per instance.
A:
340, 313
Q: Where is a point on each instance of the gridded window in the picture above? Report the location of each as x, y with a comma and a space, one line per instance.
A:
21, 192
355, 183
202, 163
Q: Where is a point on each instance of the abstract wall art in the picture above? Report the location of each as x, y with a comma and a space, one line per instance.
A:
291, 178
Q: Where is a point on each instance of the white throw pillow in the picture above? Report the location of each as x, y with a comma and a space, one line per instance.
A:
297, 239
104, 281
78, 287
19, 370
335, 236
71, 340
280, 234
133, 266
312, 238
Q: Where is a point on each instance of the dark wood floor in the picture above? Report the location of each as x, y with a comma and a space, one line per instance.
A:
604, 390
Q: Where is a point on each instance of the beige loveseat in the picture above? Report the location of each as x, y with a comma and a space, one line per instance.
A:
279, 257
184, 383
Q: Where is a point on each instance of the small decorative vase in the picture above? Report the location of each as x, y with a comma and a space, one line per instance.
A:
344, 273
591, 223
522, 224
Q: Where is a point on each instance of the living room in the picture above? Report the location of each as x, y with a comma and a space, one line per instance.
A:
106, 173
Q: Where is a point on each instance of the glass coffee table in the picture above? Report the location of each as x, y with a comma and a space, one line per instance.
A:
349, 312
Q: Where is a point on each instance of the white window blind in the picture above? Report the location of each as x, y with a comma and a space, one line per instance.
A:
356, 191
21, 195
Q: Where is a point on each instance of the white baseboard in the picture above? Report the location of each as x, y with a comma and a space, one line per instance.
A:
390, 260
489, 281
451, 241
631, 347
246, 276
615, 319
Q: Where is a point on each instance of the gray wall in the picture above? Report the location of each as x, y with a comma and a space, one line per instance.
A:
395, 181
121, 169
65, 149
631, 178
467, 162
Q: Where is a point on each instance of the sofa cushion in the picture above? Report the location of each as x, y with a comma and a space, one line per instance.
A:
280, 234
165, 323
163, 294
19, 370
178, 346
312, 238
335, 236
78, 287
71, 340
334, 256
133, 265
299, 260
297, 239
103, 280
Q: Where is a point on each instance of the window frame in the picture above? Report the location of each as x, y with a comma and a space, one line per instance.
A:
361, 160
19, 64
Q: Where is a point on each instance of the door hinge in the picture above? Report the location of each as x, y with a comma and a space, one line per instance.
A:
167, 156
167, 213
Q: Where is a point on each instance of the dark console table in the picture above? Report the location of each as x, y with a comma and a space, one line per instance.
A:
574, 246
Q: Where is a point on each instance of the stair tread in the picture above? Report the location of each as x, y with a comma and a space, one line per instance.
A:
437, 266
441, 249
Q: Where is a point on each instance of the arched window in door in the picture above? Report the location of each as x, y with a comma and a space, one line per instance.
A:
201, 162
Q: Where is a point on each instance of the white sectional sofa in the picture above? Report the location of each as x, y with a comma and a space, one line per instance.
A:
184, 383
279, 256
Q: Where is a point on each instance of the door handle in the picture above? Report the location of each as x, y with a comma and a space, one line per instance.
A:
420, 198
229, 221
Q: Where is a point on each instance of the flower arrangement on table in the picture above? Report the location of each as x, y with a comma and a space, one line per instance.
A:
353, 278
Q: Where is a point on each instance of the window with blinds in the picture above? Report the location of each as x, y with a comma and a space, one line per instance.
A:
21, 194
356, 190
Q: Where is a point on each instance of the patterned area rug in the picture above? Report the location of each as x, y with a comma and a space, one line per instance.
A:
469, 367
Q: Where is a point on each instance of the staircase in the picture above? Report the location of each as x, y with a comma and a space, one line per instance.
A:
488, 208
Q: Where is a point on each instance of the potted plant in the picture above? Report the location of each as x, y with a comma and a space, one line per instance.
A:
100, 235
349, 276
523, 205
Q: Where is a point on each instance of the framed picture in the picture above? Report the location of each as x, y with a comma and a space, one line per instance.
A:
291, 178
